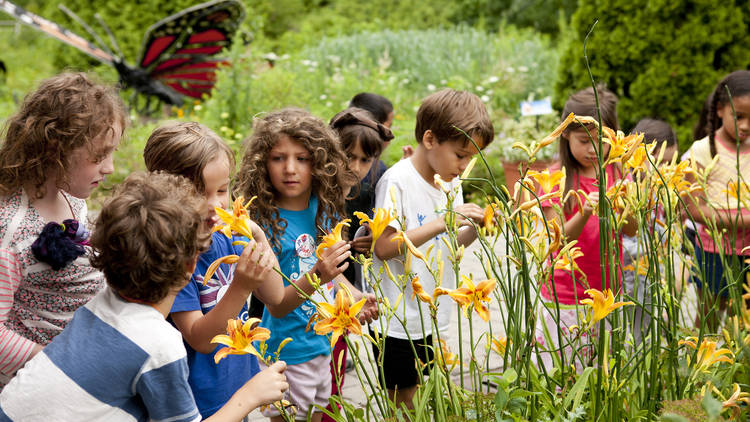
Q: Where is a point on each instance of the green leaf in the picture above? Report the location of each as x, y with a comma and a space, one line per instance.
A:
516, 405
672, 417
510, 376
501, 398
711, 406
576, 393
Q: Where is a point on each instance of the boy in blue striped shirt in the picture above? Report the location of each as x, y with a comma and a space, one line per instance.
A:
119, 359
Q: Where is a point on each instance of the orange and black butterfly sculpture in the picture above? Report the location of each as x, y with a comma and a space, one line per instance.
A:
179, 53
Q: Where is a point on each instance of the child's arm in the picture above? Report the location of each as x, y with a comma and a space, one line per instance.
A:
701, 212
724, 219
574, 226
15, 349
386, 249
630, 228
252, 271
331, 263
266, 387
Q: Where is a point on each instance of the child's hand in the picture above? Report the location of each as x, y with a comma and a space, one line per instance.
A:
254, 265
257, 232
268, 386
467, 212
369, 311
407, 151
332, 261
362, 244
592, 201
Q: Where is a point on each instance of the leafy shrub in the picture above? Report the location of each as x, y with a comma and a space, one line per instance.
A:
662, 58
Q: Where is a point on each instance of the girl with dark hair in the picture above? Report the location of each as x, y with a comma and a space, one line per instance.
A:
579, 159
727, 136
362, 139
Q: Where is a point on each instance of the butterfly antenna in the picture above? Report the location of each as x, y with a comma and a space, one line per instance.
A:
110, 35
87, 28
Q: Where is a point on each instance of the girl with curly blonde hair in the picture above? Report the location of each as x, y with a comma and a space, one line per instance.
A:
296, 167
56, 150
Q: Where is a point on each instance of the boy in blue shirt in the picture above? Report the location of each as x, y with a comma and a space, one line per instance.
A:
119, 359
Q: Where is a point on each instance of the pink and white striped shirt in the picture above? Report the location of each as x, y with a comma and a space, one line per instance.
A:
36, 302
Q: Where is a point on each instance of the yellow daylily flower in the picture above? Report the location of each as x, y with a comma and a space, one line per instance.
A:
470, 294
239, 339
401, 237
642, 266
332, 238
707, 353
489, 220
639, 159
445, 358
439, 291
237, 221
548, 181
380, 220
567, 260
736, 397
621, 146
469, 168
340, 316
500, 344
418, 291
229, 259
602, 303
557, 237
732, 188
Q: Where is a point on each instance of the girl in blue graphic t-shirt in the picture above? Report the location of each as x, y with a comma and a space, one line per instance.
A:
295, 166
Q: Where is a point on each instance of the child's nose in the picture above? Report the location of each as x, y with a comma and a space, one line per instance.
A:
214, 201
289, 166
108, 165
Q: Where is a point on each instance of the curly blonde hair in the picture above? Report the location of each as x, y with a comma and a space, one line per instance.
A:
66, 112
154, 220
331, 178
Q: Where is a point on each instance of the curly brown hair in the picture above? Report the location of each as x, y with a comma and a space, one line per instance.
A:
330, 174
147, 233
66, 112
185, 148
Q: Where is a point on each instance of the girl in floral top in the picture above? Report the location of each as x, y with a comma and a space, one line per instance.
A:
56, 150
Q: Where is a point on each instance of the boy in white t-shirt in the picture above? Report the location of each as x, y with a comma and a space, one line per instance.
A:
420, 204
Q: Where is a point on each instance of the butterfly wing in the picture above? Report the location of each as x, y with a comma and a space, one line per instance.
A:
180, 50
56, 31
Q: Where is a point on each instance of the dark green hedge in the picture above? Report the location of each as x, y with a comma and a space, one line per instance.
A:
661, 57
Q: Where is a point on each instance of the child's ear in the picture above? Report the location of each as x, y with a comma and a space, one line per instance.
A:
190, 264
429, 140
720, 110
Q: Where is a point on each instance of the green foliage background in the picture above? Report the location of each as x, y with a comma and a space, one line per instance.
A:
661, 57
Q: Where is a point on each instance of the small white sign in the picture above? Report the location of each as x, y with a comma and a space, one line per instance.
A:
536, 108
